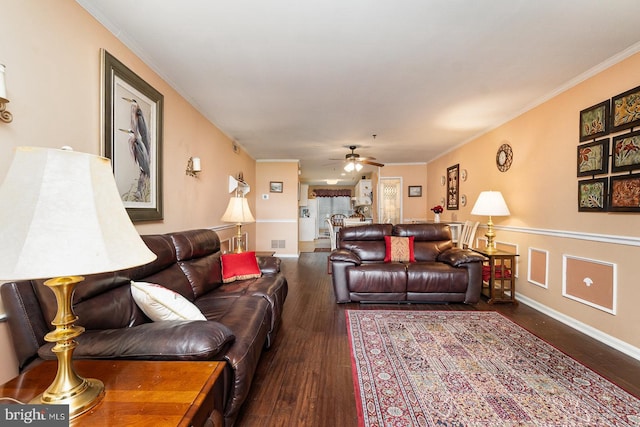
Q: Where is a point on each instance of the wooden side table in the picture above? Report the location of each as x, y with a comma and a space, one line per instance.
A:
501, 283
265, 253
138, 393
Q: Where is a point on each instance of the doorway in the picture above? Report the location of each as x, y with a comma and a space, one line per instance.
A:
390, 200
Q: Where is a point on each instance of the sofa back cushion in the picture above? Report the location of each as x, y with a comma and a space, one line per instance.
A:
366, 241
101, 301
429, 240
198, 254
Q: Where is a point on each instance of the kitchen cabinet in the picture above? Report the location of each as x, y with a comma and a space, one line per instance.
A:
363, 192
303, 197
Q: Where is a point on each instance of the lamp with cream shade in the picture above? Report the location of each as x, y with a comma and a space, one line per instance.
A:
61, 217
238, 212
490, 203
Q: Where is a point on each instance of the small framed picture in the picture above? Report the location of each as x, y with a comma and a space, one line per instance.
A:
592, 195
625, 193
415, 191
626, 152
594, 121
275, 187
626, 110
593, 158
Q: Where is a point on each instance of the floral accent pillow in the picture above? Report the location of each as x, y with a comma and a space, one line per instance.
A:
399, 249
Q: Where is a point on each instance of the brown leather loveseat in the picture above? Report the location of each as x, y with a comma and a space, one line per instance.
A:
242, 317
440, 273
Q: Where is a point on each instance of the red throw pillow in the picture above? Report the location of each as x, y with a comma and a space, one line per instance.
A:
486, 273
399, 249
239, 267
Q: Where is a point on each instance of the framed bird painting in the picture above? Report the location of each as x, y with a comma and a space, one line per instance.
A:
132, 124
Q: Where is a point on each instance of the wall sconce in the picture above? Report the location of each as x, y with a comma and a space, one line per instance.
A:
5, 116
193, 166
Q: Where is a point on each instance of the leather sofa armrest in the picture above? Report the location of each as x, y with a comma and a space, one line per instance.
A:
344, 255
269, 264
458, 256
167, 340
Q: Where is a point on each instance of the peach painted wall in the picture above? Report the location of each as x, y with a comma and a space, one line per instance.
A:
277, 215
413, 208
540, 189
52, 54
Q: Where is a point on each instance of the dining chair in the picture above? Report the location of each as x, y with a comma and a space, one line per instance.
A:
332, 235
337, 220
468, 234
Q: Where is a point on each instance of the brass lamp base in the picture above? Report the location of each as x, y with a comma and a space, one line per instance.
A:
80, 399
491, 246
68, 388
238, 249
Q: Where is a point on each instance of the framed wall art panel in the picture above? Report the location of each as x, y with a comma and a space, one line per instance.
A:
538, 269
591, 282
626, 152
625, 193
592, 195
594, 121
593, 158
132, 138
625, 112
453, 193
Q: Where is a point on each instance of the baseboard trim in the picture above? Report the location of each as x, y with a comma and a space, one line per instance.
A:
594, 333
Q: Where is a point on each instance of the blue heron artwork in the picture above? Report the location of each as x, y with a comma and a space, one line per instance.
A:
133, 113
139, 147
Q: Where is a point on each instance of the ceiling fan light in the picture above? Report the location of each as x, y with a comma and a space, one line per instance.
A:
349, 167
358, 167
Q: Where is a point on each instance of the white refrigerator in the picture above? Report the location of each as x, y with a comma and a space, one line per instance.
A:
307, 223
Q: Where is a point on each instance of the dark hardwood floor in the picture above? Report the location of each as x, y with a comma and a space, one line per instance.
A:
305, 379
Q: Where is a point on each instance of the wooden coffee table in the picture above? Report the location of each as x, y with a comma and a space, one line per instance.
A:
138, 393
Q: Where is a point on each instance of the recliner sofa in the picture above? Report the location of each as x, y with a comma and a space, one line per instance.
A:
440, 273
243, 317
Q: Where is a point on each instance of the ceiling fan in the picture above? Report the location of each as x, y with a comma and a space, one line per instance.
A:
355, 161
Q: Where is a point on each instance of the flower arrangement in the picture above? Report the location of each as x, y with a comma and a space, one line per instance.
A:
437, 209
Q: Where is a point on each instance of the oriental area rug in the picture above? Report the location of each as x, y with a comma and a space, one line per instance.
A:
447, 368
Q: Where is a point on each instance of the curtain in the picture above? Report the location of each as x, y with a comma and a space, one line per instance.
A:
332, 193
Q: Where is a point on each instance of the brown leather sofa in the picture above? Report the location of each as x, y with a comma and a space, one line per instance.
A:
440, 273
243, 317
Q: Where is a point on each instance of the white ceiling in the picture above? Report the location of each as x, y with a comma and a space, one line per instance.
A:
304, 79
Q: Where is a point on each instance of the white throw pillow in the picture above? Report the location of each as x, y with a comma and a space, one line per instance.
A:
160, 303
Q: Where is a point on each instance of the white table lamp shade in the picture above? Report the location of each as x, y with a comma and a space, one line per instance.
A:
61, 215
490, 203
238, 211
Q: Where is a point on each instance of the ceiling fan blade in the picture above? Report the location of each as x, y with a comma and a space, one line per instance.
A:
368, 162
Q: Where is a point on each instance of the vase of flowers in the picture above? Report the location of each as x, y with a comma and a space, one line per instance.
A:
437, 210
